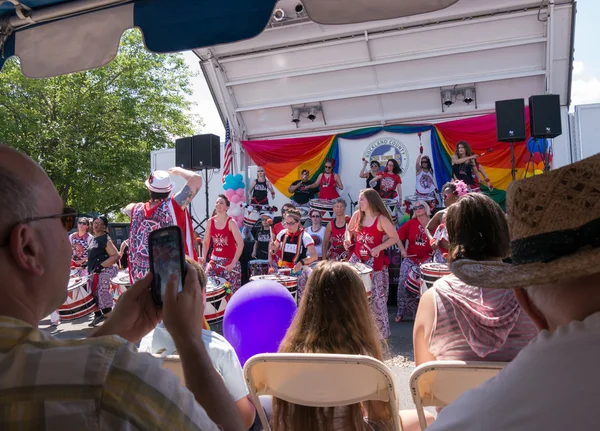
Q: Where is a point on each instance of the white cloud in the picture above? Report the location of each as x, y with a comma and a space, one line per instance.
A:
585, 90
578, 68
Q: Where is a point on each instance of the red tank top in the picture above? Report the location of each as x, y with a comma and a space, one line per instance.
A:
337, 235
367, 238
327, 187
223, 241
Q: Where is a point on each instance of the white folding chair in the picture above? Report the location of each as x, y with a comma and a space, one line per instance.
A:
438, 383
173, 364
320, 380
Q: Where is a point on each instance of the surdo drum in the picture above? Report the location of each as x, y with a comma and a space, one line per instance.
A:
366, 275
287, 281
430, 272
251, 217
413, 281
119, 284
216, 300
79, 301
325, 207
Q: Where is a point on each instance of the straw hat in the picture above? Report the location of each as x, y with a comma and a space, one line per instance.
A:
554, 224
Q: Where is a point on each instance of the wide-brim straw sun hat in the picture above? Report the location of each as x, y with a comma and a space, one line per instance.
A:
554, 225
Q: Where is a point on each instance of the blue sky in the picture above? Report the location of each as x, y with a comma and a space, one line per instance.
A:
586, 69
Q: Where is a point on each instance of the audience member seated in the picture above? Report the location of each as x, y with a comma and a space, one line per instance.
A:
338, 321
458, 321
553, 383
220, 351
99, 384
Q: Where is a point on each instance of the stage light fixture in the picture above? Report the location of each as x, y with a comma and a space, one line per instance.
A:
295, 115
312, 113
278, 15
447, 98
299, 9
468, 99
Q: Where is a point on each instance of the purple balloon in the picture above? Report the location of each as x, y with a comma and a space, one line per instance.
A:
257, 318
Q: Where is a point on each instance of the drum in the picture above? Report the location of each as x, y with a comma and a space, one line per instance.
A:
251, 217
392, 207
366, 275
413, 281
430, 272
119, 284
79, 301
289, 282
325, 207
258, 267
216, 300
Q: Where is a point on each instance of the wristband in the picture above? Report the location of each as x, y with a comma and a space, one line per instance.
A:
302, 262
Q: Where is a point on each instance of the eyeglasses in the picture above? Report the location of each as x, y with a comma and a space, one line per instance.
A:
67, 218
419, 207
315, 216
83, 223
328, 167
292, 222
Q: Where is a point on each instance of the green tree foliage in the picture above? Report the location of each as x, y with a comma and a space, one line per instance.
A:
93, 131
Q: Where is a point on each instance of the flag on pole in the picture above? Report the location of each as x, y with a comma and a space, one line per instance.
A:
228, 153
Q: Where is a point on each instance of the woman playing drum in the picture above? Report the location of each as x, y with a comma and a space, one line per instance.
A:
259, 189
328, 182
466, 168
425, 184
391, 183
417, 252
373, 177
102, 259
227, 246
80, 242
335, 231
369, 225
297, 248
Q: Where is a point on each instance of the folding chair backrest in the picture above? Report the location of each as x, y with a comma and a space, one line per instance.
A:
173, 364
320, 380
439, 383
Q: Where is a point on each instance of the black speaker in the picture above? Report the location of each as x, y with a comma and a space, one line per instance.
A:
198, 152
510, 120
183, 153
206, 152
544, 116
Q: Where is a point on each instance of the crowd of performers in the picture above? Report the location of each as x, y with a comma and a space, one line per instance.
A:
293, 245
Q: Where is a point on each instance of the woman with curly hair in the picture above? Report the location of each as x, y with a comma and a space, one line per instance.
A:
465, 167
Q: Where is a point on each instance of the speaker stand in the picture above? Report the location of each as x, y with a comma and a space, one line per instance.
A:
201, 225
513, 171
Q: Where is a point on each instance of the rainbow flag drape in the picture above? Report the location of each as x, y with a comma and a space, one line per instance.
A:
284, 159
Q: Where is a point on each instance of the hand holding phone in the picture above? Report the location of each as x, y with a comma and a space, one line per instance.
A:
183, 311
165, 248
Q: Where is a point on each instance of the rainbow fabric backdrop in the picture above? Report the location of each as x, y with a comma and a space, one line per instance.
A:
284, 159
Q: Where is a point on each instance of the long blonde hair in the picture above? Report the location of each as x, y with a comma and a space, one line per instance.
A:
376, 204
333, 317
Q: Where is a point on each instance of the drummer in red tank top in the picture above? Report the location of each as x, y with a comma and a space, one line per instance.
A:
369, 225
333, 240
227, 246
328, 182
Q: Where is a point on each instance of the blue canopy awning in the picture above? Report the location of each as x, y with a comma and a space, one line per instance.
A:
55, 37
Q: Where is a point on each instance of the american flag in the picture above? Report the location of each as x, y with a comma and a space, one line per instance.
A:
228, 154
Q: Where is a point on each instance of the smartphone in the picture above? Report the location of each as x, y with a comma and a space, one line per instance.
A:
165, 249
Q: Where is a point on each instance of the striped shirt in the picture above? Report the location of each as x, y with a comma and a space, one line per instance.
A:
91, 384
476, 324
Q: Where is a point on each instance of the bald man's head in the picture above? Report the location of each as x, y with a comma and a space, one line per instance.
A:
17, 194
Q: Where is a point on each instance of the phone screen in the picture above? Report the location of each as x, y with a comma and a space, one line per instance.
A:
166, 256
